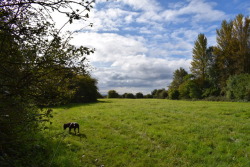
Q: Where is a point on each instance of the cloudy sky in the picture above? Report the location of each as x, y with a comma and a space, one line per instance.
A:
140, 43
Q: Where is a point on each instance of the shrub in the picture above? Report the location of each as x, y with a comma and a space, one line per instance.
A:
238, 87
173, 94
86, 89
190, 89
211, 91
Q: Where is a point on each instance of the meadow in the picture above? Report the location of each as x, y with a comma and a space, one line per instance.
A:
151, 133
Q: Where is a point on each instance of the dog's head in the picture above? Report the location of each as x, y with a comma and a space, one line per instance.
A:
65, 126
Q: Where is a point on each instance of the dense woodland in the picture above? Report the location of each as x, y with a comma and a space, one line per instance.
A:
220, 72
40, 69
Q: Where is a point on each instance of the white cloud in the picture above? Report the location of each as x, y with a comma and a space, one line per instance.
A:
199, 9
109, 46
123, 63
139, 43
146, 5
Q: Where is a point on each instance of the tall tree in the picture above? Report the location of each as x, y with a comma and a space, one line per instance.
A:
225, 51
199, 64
233, 49
241, 33
178, 78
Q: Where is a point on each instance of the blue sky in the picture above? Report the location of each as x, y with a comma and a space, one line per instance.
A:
140, 43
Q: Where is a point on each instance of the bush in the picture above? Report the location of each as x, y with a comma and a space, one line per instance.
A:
211, 91
190, 89
173, 94
86, 89
238, 87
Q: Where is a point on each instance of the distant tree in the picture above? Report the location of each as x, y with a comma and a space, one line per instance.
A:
160, 94
139, 95
153, 93
86, 89
130, 96
199, 64
148, 96
173, 94
124, 95
113, 94
178, 78
163, 94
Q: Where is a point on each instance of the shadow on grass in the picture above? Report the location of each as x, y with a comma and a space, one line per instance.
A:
80, 135
70, 105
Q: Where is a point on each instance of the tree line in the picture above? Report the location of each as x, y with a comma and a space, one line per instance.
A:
156, 93
39, 69
220, 72
217, 71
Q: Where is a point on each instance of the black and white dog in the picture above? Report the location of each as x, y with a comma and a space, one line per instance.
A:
71, 125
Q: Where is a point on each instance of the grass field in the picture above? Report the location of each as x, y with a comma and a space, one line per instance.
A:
150, 132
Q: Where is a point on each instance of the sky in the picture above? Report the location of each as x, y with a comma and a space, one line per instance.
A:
140, 43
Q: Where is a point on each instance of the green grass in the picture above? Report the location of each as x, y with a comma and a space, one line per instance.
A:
150, 132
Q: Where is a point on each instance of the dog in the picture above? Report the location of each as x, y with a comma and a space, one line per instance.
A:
72, 125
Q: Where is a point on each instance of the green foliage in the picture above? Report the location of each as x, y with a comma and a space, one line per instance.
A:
189, 89
173, 94
151, 132
178, 78
200, 60
213, 66
238, 87
184, 90
139, 95
148, 96
241, 33
160, 94
129, 96
233, 50
86, 89
211, 91
38, 65
113, 94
